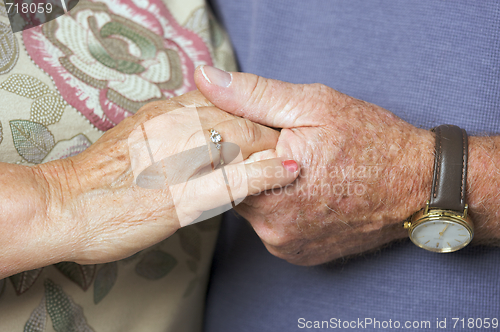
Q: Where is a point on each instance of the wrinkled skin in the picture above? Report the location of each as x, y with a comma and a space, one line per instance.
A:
371, 170
96, 213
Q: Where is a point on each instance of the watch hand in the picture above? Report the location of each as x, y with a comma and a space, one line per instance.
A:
442, 232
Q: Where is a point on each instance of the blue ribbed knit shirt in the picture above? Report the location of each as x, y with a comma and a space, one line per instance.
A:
429, 62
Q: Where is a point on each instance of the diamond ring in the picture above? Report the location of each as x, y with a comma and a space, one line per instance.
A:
216, 138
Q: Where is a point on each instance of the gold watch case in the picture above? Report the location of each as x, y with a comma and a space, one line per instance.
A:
423, 229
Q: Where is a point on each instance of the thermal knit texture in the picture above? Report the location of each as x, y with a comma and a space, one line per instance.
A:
429, 62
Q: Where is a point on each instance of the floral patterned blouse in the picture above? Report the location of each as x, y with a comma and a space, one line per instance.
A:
64, 83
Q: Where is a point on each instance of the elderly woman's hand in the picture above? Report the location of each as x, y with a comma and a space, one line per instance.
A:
92, 210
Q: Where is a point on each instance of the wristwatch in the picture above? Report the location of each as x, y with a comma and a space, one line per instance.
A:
443, 224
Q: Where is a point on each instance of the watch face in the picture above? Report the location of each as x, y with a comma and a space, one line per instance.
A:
441, 235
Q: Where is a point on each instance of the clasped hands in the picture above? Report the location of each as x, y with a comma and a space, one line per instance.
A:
362, 170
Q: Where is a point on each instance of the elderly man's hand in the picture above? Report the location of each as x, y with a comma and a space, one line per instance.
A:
363, 169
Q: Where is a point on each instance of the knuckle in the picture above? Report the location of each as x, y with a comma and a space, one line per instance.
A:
290, 254
318, 90
280, 244
248, 132
257, 92
297, 255
275, 251
328, 96
278, 254
235, 178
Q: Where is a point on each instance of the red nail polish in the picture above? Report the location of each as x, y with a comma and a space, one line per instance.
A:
290, 165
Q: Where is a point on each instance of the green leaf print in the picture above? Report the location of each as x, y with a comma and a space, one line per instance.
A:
33, 141
66, 315
82, 275
38, 318
9, 47
24, 280
155, 264
104, 281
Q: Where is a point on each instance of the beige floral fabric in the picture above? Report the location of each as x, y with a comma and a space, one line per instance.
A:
62, 85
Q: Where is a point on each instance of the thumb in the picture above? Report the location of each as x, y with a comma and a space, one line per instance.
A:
269, 102
231, 183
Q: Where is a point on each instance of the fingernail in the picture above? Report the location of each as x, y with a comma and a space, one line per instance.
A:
290, 165
216, 76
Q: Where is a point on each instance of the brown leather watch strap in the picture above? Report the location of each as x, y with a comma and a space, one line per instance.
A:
450, 168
